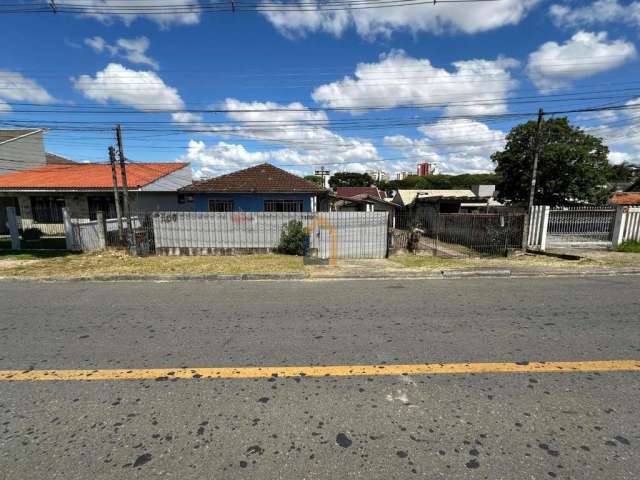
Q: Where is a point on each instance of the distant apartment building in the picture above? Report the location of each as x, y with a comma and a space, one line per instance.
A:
424, 169
378, 175
401, 175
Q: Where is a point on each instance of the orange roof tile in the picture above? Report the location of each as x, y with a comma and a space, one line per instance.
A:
85, 176
625, 198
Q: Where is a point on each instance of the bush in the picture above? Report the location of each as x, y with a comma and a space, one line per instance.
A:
31, 234
292, 238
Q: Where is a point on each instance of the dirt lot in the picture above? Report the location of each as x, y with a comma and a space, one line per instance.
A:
118, 263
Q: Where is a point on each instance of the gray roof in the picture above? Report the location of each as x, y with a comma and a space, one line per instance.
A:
11, 134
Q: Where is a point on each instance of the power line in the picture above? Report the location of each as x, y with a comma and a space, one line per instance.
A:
131, 8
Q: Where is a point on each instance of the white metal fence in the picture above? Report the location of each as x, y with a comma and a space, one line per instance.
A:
627, 226
583, 227
331, 234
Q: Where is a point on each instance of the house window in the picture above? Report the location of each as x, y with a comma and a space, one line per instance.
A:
218, 205
47, 209
283, 205
104, 204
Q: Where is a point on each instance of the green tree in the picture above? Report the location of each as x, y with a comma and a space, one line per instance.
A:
572, 167
624, 172
440, 182
350, 179
314, 179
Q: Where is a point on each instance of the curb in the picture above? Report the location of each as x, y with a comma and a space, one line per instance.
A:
498, 273
436, 275
166, 278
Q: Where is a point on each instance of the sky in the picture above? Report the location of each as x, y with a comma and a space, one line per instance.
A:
351, 90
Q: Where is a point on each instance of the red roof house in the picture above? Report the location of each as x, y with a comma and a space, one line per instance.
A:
350, 192
625, 198
39, 194
262, 188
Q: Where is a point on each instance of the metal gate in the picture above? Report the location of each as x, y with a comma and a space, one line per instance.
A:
581, 226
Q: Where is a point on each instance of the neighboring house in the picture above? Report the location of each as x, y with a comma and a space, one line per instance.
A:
635, 187
39, 194
53, 159
625, 198
263, 188
447, 201
21, 150
350, 192
361, 203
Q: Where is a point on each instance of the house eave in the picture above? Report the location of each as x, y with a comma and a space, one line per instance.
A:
62, 190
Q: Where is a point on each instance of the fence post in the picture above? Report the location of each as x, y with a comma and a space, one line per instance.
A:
526, 231
544, 227
68, 228
101, 229
619, 225
14, 230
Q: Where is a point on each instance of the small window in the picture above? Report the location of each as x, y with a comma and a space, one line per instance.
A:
182, 198
283, 205
104, 204
218, 205
47, 209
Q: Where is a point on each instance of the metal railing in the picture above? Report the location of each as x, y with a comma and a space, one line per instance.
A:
581, 224
458, 234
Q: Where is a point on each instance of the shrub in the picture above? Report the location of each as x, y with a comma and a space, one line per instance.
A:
292, 238
31, 234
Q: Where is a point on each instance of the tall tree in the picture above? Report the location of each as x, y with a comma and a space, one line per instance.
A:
625, 172
350, 179
314, 179
573, 165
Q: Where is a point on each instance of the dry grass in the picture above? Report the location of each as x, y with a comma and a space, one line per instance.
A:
119, 263
590, 259
520, 261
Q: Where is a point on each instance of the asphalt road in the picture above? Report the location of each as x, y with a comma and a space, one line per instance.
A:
495, 426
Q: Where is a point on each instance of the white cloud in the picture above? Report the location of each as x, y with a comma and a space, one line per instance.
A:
301, 137
398, 79
14, 87
596, 13
616, 158
98, 44
141, 90
224, 157
620, 133
184, 11
467, 18
455, 146
132, 49
297, 127
554, 66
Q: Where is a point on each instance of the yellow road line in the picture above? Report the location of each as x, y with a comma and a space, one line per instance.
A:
323, 371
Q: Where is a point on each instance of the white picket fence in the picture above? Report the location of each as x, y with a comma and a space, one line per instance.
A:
627, 225
583, 227
538, 224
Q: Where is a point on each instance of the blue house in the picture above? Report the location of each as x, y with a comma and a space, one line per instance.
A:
263, 188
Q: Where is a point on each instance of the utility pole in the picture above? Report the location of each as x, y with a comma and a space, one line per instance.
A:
116, 195
536, 157
534, 174
322, 173
125, 188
